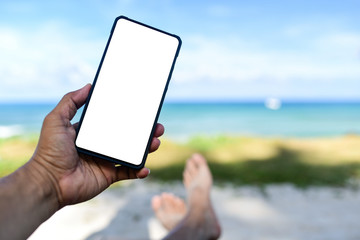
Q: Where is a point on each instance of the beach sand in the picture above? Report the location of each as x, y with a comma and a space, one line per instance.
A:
275, 212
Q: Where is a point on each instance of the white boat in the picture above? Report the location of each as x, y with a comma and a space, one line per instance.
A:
273, 103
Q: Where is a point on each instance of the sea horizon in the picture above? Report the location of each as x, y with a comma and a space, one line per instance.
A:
203, 101
185, 119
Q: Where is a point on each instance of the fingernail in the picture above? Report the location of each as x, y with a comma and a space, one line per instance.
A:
146, 175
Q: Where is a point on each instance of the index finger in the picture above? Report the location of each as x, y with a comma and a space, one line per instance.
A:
159, 130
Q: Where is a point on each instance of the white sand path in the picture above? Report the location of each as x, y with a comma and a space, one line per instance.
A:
279, 212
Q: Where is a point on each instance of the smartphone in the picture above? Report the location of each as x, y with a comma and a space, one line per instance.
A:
121, 112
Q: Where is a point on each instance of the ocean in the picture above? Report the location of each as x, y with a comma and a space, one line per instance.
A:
184, 120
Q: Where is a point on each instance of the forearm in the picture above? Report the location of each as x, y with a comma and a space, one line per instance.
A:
26, 200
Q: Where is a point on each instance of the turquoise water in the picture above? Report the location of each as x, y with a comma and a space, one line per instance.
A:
183, 120
291, 120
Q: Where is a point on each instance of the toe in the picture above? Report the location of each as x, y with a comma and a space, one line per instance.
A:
156, 202
186, 178
180, 205
191, 167
199, 159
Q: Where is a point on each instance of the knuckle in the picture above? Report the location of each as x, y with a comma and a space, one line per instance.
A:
48, 118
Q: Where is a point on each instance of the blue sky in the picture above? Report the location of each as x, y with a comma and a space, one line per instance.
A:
232, 50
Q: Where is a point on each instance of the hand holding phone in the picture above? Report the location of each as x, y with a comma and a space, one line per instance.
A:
121, 113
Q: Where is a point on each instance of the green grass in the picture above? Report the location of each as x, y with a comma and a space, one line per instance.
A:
237, 160
259, 161
15, 151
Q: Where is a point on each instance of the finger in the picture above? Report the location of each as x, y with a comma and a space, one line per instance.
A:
72, 101
155, 144
76, 125
159, 130
123, 173
143, 173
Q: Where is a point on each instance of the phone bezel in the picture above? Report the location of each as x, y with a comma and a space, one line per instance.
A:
146, 151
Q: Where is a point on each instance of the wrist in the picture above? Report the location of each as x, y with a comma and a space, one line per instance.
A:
25, 194
44, 183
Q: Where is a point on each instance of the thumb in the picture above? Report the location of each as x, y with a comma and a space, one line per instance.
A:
72, 101
79, 96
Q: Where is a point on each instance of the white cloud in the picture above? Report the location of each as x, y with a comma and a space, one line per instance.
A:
326, 58
46, 62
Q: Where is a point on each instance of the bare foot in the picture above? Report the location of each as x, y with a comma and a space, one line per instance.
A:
199, 220
169, 209
197, 175
201, 217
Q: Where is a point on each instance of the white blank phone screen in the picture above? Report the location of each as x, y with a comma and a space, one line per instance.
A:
128, 91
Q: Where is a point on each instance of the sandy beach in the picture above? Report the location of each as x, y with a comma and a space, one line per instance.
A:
275, 212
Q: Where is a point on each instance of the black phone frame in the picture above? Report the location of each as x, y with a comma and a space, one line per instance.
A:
146, 152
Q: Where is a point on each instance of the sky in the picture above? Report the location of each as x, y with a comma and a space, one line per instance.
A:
232, 50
